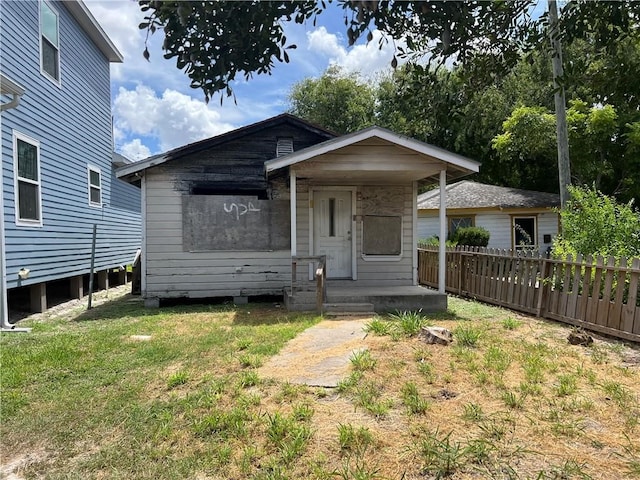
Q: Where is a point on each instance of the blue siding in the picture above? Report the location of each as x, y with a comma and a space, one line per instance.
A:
72, 122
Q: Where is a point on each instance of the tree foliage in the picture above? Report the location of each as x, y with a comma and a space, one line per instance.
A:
595, 224
213, 41
337, 101
604, 151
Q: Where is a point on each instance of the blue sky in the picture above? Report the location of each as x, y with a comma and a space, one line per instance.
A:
155, 110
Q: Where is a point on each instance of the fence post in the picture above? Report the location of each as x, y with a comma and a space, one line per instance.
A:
543, 295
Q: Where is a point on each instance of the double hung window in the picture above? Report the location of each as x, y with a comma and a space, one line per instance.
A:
26, 159
49, 42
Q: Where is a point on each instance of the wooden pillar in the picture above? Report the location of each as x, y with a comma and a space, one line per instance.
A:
103, 280
76, 286
122, 276
293, 198
442, 255
39, 297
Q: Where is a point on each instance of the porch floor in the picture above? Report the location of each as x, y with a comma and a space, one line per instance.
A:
383, 299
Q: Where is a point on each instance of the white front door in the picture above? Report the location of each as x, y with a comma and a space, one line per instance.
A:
332, 230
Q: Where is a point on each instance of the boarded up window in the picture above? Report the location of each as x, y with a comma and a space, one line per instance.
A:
382, 235
240, 223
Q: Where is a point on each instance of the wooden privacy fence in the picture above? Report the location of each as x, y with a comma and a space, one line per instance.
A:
597, 294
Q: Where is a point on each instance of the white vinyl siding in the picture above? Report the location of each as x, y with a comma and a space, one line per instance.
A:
499, 226
94, 186
172, 272
26, 167
49, 42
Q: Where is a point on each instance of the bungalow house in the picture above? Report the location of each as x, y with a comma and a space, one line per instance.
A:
256, 210
58, 173
515, 218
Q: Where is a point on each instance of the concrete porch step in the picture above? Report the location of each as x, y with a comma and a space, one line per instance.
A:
348, 309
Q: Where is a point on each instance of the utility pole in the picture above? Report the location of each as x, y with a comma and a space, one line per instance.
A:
564, 168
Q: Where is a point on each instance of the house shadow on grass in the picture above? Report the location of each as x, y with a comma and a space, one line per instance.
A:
260, 311
446, 315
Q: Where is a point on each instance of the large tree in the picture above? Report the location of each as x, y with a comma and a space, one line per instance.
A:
215, 41
337, 101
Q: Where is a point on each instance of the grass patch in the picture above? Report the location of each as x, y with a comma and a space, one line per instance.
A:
362, 360
190, 403
379, 326
467, 335
408, 322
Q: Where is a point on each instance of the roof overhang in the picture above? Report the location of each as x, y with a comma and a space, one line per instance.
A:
9, 87
134, 170
391, 158
83, 16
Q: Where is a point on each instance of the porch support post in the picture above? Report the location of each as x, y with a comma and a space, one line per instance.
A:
442, 255
294, 223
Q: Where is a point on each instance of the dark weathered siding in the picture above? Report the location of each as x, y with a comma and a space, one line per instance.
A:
235, 167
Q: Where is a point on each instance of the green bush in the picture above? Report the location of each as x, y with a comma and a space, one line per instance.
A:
595, 224
472, 236
434, 242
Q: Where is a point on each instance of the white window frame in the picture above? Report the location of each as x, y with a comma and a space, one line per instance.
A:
26, 222
91, 168
368, 257
513, 231
56, 81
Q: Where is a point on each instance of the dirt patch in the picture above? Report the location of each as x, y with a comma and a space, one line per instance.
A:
319, 356
11, 469
73, 308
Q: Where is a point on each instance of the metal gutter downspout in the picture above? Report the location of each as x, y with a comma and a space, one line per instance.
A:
7, 87
12, 104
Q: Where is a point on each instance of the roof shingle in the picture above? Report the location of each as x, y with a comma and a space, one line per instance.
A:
468, 194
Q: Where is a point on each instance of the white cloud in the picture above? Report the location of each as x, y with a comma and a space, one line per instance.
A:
135, 150
173, 119
120, 19
366, 59
322, 42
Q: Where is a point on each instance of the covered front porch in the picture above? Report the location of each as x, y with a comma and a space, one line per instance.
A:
354, 221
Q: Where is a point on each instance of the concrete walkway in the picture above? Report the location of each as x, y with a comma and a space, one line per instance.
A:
319, 356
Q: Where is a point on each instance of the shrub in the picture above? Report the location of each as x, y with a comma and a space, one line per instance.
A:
472, 236
434, 242
595, 224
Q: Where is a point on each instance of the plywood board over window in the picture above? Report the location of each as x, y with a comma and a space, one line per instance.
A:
382, 235
235, 223
382, 208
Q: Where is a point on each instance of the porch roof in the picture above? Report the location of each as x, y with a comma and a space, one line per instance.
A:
373, 155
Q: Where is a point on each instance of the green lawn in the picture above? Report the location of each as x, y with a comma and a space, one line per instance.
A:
86, 398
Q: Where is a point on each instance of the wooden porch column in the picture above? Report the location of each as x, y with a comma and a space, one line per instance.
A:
76, 287
442, 255
122, 276
103, 280
293, 187
39, 297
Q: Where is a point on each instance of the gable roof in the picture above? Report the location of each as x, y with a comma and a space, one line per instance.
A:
208, 143
468, 194
462, 165
89, 24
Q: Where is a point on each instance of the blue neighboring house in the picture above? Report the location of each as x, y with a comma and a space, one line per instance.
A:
58, 165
